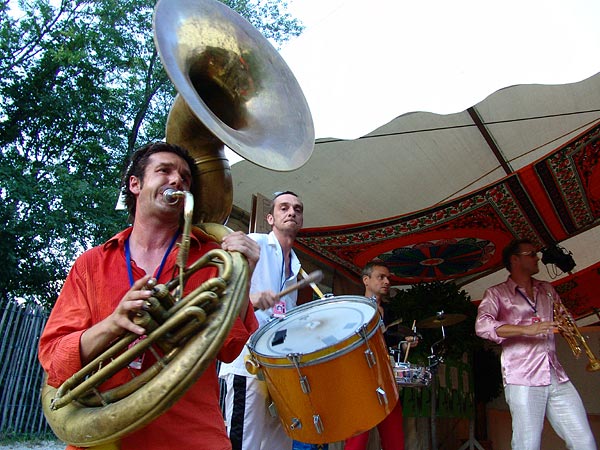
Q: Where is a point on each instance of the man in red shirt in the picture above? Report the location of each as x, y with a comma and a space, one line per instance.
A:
107, 284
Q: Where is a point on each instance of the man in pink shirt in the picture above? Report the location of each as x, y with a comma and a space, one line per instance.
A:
519, 315
107, 285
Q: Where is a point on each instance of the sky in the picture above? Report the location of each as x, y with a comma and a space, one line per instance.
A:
362, 64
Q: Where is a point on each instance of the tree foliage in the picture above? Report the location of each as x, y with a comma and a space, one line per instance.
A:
423, 301
81, 86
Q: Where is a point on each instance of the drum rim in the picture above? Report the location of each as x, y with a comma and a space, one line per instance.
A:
324, 354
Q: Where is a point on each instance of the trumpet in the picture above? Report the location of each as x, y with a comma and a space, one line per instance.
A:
569, 330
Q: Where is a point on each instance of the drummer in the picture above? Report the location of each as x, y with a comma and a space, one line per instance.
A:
250, 425
376, 278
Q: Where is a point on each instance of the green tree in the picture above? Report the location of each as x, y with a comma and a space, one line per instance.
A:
81, 86
423, 301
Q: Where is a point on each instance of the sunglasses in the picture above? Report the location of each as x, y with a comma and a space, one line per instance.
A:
532, 253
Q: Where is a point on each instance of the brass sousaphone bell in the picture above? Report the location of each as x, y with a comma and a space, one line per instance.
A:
234, 90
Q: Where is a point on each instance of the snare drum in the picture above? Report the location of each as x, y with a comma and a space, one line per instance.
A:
409, 375
327, 369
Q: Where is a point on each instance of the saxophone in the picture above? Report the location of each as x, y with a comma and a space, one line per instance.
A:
569, 330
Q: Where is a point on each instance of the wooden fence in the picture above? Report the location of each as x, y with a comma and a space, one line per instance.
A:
20, 372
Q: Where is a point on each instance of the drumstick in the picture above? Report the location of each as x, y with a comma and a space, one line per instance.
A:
395, 322
313, 285
408, 348
313, 277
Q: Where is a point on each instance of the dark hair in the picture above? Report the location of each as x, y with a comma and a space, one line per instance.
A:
368, 269
279, 194
512, 249
138, 163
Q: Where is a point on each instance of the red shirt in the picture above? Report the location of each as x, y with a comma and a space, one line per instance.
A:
96, 284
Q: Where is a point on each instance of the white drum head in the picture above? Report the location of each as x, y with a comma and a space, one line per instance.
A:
314, 326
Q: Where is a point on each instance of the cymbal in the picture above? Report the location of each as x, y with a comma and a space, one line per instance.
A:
399, 331
441, 320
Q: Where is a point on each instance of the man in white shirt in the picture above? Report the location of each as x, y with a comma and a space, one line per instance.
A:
249, 423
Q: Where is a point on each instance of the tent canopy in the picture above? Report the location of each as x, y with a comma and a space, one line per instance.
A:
438, 196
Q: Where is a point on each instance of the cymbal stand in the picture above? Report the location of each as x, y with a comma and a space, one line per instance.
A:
434, 360
472, 441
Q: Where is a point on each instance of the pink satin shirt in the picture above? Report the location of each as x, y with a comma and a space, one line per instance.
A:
526, 360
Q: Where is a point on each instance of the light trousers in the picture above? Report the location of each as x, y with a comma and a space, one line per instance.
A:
561, 403
250, 425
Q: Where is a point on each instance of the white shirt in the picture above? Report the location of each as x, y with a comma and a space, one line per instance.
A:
269, 274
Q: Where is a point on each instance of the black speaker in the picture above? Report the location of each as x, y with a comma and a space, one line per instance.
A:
558, 256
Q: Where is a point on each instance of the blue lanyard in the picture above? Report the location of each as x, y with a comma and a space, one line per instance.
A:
533, 305
162, 264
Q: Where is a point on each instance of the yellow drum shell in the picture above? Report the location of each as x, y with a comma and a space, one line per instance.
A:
349, 392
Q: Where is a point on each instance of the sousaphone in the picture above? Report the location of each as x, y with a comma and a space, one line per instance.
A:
234, 90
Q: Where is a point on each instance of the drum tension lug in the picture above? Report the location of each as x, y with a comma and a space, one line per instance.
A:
371, 360
295, 360
273, 410
369, 355
318, 423
383, 400
304, 384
